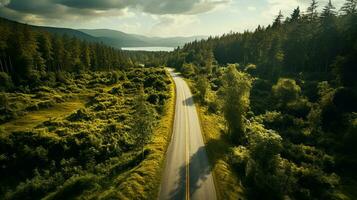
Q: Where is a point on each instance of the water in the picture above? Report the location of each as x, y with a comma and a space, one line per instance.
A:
148, 48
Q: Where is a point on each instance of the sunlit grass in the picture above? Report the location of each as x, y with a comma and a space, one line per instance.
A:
34, 118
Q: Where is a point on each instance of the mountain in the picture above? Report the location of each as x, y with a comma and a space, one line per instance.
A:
55, 30
116, 39
69, 32
120, 39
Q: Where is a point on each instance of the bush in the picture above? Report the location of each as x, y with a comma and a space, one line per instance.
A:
286, 90
74, 187
116, 90
299, 108
79, 115
239, 158
6, 82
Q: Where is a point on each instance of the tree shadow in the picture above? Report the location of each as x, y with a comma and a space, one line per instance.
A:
200, 167
188, 102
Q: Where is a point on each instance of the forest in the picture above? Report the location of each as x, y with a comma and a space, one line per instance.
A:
78, 118
285, 98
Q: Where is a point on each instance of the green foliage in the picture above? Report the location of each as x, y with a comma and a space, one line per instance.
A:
303, 88
236, 93
188, 69
286, 91
80, 153
6, 81
143, 118
202, 85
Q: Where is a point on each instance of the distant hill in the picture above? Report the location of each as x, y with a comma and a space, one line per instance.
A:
121, 39
69, 32
56, 30
117, 39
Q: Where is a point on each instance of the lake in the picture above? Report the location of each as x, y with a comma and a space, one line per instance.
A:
148, 48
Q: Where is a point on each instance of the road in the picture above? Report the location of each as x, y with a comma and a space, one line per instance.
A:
187, 173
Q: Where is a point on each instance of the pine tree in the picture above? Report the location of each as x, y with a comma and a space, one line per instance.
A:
58, 53
350, 7
328, 11
295, 16
46, 50
277, 22
312, 11
143, 119
85, 56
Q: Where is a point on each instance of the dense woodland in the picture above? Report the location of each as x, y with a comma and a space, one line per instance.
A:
288, 95
30, 55
76, 116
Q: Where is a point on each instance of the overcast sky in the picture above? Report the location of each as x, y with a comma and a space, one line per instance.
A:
154, 17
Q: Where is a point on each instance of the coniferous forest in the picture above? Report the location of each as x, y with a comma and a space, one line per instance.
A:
277, 107
286, 96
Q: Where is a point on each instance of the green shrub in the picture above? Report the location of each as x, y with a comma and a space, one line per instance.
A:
6, 82
118, 90
79, 115
286, 90
75, 186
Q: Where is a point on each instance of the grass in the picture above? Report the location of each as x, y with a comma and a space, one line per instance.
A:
34, 118
226, 181
143, 181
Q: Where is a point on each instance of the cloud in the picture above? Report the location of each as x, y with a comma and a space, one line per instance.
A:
52, 10
173, 24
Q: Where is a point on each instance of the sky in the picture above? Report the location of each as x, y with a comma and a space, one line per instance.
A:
165, 18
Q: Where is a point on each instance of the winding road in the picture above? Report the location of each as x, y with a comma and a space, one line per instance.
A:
187, 173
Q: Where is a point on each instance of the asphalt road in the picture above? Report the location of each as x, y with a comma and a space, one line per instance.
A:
187, 173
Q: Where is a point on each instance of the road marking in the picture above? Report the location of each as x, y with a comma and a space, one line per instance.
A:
187, 152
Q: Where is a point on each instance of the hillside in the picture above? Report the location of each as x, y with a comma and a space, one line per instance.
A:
120, 39
116, 39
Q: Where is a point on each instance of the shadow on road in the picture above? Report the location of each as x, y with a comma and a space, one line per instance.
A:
199, 169
188, 101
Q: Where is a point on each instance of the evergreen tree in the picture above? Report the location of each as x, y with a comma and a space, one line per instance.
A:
85, 56
143, 119
58, 53
46, 49
312, 13
350, 7
277, 22
328, 11
295, 16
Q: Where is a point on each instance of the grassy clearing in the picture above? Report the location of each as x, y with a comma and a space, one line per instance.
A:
34, 118
226, 181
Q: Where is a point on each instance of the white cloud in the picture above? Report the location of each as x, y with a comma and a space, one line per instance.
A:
169, 25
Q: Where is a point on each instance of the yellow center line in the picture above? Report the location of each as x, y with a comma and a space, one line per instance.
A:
187, 152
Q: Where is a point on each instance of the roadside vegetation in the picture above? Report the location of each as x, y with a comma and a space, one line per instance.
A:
280, 123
